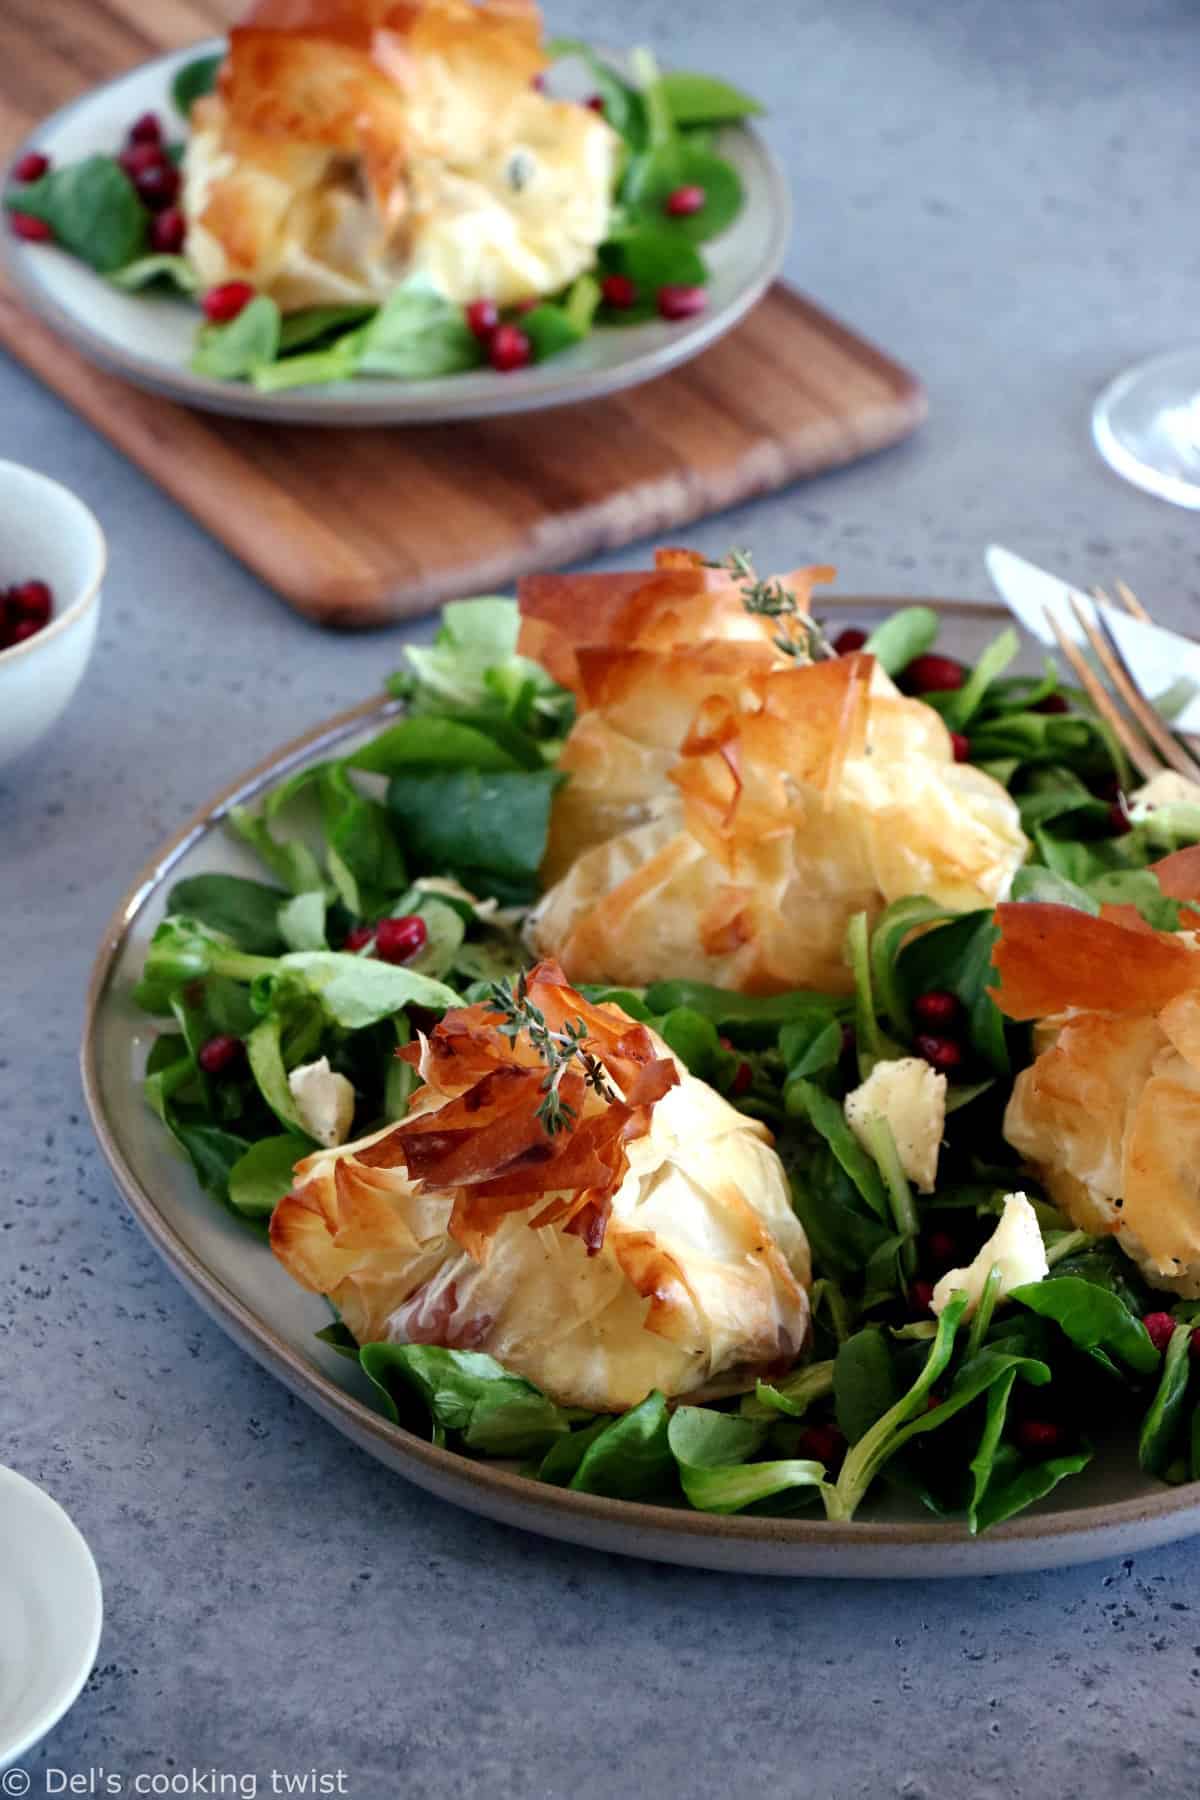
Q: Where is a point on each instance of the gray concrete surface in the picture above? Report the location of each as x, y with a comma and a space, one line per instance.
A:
999, 195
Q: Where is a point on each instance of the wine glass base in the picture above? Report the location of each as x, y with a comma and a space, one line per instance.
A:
1146, 425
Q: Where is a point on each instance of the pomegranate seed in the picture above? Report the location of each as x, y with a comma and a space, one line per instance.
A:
676, 302
32, 600
932, 1400
31, 230
743, 1076
1160, 1326
941, 1052
931, 674
218, 1053
1053, 703
23, 629
146, 130
538, 83
157, 186
1037, 1437
921, 1295
1194, 1344
358, 937
167, 231
595, 103
509, 349
398, 940
937, 1007
619, 291
942, 1249
223, 303
30, 167
848, 641
821, 1443
528, 305
135, 159
961, 747
1118, 819
682, 202
482, 318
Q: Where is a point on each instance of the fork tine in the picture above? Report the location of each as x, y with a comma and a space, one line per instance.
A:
1100, 636
1139, 752
1131, 603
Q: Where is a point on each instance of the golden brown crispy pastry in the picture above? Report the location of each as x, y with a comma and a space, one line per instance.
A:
730, 806
650, 1244
1109, 1112
354, 142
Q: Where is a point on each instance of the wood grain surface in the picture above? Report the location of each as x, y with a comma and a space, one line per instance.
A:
362, 527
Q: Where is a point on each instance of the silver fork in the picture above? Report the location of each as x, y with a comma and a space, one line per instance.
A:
1148, 741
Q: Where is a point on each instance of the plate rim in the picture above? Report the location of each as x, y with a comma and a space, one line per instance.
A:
640, 1519
236, 400
43, 1722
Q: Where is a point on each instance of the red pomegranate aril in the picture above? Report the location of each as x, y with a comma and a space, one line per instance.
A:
398, 940
30, 230
219, 1053
167, 231
821, 1443
678, 302
595, 103
1118, 819
942, 1053
482, 318
921, 1295
932, 674
1053, 703
509, 349
146, 130
619, 291
32, 600
23, 630
135, 159
848, 641
1160, 1326
1194, 1344
358, 937
538, 83
743, 1076
941, 1249
157, 186
682, 202
937, 1007
961, 746
528, 305
1037, 1437
220, 304
30, 167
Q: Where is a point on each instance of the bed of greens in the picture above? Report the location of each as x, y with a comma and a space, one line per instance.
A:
124, 222
442, 816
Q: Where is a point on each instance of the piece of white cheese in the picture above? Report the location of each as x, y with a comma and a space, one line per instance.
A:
1015, 1248
1167, 788
324, 1101
911, 1096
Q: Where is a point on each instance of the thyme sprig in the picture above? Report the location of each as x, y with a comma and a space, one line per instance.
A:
557, 1049
800, 635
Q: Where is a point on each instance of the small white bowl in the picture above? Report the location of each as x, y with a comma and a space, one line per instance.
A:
46, 534
51, 1613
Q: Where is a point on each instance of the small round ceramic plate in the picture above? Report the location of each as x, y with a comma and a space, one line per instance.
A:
1111, 1509
148, 338
50, 1614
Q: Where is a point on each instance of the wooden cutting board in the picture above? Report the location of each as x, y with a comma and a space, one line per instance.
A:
360, 527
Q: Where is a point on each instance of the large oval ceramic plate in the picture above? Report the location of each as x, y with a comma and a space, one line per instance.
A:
148, 338
1111, 1509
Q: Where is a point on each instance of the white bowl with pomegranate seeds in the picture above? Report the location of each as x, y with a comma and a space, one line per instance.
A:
48, 540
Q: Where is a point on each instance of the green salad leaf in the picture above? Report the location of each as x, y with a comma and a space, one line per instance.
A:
91, 206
